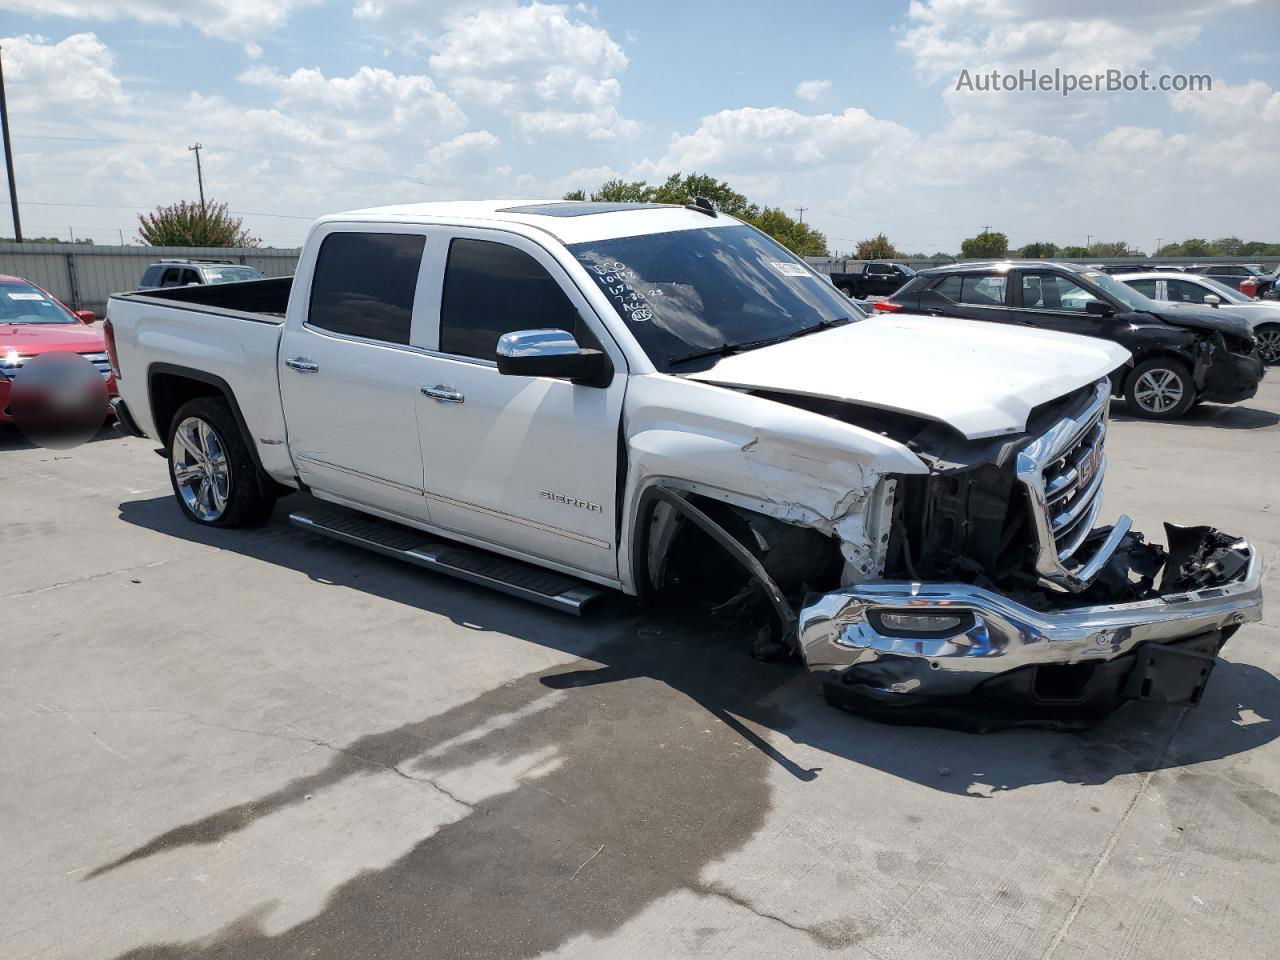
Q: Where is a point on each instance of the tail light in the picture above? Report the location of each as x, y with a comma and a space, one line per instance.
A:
886, 306
109, 335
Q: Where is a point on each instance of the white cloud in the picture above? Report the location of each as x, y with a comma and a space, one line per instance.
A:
812, 89
76, 71
551, 74
753, 139
253, 51
1245, 105
229, 19
370, 103
467, 144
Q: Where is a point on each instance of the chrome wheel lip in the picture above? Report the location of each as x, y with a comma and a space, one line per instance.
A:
1158, 390
200, 469
1269, 345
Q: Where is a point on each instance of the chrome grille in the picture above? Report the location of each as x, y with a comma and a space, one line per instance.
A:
1063, 472
1073, 488
101, 361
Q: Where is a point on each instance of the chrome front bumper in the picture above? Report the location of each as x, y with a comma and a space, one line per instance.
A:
845, 644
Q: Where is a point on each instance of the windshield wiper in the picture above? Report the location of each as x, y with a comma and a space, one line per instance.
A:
725, 349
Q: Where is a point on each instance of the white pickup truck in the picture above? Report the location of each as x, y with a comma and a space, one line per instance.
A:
556, 398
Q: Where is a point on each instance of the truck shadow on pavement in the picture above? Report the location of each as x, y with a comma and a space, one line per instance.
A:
668, 743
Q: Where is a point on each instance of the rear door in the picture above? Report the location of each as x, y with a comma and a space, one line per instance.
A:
529, 463
349, 376
972, 296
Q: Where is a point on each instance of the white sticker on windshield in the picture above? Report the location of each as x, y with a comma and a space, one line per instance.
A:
28, 296
790, 269
214, 276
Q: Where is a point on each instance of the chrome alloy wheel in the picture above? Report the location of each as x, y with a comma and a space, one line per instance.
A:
200, 469
1158, 390
1269, 344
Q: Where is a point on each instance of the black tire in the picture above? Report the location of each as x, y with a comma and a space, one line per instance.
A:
847, 291
1268, 335
246, 496
1171, 376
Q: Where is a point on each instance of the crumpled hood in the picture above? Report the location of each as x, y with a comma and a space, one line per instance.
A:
983, 379
1204, 318
33, 339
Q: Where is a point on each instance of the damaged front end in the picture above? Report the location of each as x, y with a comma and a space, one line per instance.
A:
1001, 604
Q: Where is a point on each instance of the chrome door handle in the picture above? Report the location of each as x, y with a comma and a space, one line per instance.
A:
302, 365
443, 394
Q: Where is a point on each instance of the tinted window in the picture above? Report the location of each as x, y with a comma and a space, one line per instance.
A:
1181, 291
1049, 291
364, 285
151, 278
984, 291
491, 289
190, 276
949, 287
172, 277
1145, 287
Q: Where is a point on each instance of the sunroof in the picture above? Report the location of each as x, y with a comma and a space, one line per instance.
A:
578, 208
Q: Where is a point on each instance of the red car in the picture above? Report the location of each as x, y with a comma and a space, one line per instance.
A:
32, 322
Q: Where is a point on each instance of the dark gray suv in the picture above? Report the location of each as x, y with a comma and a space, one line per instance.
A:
184, 273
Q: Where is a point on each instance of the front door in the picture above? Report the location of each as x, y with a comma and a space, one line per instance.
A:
349, 379
1053, 301
527, 462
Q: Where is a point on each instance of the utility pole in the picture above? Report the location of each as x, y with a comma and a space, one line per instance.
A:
1088, 240
801, 210
199, 174
8, 160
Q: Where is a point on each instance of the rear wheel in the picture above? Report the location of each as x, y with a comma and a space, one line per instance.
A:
214, 478
1160, 389
1268, 336
847, 291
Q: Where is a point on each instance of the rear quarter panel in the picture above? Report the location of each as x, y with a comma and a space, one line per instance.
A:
240, 352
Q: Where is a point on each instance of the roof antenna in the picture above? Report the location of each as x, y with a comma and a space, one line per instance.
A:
702, 205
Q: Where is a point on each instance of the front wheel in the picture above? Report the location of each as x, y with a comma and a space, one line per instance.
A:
213, 474
1268, 337
1160, 389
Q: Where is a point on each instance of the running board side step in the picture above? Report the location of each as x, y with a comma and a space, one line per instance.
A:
443, 556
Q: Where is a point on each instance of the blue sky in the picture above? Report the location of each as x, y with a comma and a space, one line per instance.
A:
846, 109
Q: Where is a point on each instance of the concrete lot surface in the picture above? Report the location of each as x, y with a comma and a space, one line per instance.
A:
258, 744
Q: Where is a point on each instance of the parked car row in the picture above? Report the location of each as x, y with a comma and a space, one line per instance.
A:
1183, 353
556, 398
186, 273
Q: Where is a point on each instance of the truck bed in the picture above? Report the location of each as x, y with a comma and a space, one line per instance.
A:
264, 300
225, 335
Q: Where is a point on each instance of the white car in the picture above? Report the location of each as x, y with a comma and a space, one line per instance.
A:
1262, 315
554, 398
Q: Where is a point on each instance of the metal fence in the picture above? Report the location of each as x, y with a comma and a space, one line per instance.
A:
83, 275
838, 264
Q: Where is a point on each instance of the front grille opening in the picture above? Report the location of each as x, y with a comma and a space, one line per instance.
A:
1062, 683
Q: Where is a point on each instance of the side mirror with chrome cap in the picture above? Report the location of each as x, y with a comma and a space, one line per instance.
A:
552, 353
1212, 299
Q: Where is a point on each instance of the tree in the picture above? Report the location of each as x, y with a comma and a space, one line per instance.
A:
1226, 247
798, 237
986, 244
1074, 252
1118, 249
877, 248
1040, 250
191, 225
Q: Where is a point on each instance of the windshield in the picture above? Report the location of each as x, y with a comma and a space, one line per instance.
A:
693, 291
1224, 291
231, 274
1130, 297
24, 303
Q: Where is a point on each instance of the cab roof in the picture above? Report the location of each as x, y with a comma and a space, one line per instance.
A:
569, 221
988, 265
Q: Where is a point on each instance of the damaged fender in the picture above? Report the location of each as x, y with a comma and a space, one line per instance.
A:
783, 462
